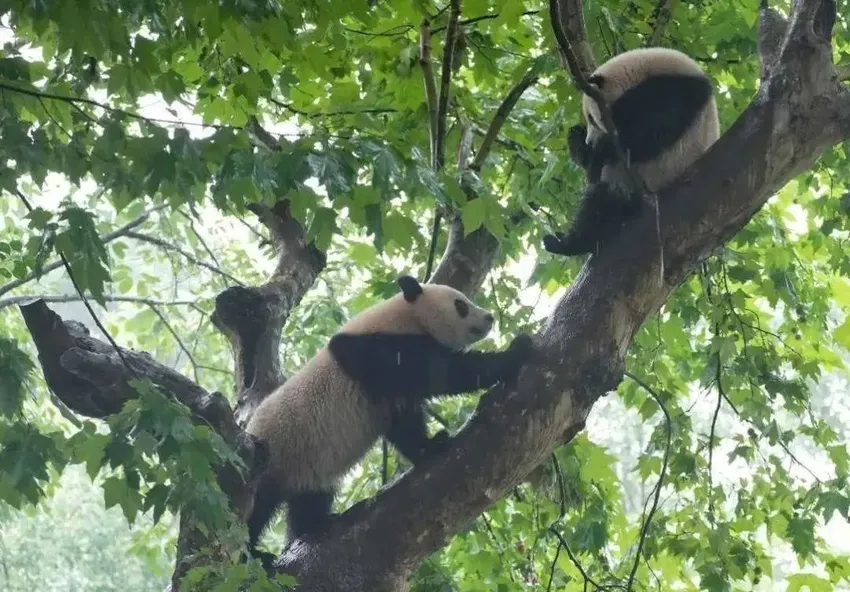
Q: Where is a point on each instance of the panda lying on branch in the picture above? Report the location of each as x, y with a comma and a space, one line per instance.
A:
370, 381
663, 107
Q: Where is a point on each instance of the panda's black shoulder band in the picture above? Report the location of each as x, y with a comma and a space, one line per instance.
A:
410, 287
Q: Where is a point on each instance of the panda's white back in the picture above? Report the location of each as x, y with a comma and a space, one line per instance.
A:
318, 425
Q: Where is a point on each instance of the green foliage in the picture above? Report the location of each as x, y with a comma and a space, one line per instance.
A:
112, 109
166, 461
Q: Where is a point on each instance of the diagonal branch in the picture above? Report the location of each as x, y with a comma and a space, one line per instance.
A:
531, 77
165, 245
660, 19
91, 379
12, 300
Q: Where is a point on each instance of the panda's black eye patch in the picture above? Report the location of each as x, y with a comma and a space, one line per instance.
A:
462, 308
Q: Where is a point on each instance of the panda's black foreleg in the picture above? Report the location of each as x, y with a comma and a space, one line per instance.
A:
408, 431
601, 214
417, 366
308, 512
450, 372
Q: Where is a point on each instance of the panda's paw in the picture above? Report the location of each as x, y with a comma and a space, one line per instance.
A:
553, 243
567, 245
522, 346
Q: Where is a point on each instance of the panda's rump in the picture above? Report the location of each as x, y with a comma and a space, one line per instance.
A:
318, 425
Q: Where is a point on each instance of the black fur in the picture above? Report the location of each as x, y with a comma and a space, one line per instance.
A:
409, 432
410, 287
412, 368
306, 512
650, 118
418, 366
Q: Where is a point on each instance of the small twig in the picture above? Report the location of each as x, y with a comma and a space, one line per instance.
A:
657, 495
13, 300
396, 31
107, 238
179, 341
501, 116
199, 237
711, 435
317, 114
430, 84
563, 543
172, 247
486, 17
432, 249
660, 18
445, 83
432, 102
76, 101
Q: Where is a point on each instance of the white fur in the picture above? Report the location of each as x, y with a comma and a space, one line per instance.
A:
625, 71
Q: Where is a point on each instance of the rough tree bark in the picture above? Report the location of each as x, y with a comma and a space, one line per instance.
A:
801, 109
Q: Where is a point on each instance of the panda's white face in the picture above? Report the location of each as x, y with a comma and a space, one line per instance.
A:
592, 115
450, 317
595, 127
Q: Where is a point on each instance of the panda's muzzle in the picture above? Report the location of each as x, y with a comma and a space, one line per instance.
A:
482, 330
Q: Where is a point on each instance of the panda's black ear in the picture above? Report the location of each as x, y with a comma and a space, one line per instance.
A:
597, 80
410, 287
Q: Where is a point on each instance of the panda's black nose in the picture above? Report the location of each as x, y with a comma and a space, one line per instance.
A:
489, 318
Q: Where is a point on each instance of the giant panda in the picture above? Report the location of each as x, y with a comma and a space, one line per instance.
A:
662, 105
371, 380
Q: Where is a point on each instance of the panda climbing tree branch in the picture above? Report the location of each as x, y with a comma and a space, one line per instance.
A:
791, 121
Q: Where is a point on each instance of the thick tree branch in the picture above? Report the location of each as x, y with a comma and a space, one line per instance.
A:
792, 120
771, 33
252, 318
89, 377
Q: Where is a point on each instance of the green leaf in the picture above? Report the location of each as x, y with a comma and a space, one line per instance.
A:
15, 370
117, 493
810, 582
801, 533
473, 214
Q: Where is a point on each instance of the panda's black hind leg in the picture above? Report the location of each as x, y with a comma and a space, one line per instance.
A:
267, 501
309, 512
